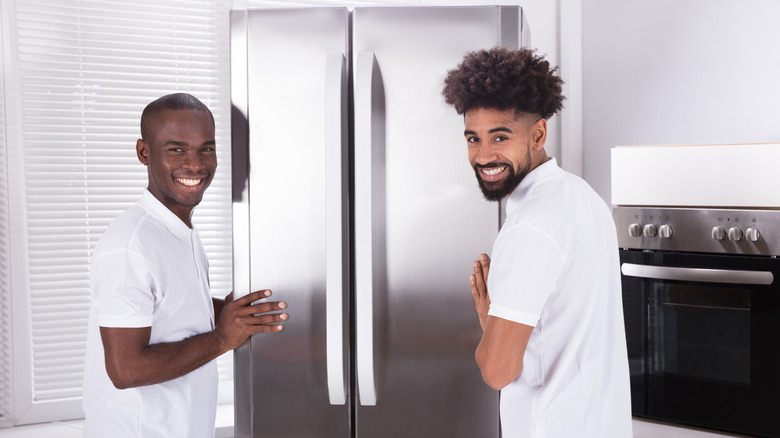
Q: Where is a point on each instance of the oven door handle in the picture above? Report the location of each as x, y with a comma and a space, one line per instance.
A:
697, 274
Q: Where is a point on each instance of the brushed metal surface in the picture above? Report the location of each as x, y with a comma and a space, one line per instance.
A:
701, 229
429, 222
286, 69
436, 222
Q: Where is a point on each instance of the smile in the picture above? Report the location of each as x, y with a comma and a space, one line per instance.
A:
189, 182
492, 173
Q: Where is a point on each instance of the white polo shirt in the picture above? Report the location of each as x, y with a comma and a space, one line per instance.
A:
555, 267
149, 269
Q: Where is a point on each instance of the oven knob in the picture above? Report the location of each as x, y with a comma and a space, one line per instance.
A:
735, 234
718, 233
752, 234
665, 231
634, 230
650, 230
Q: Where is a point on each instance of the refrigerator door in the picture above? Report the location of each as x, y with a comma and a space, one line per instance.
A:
290, 77
420, 220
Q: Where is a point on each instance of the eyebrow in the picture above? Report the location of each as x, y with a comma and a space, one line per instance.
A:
494, 130
181, 143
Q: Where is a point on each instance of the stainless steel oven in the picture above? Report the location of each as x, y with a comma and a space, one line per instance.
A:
701, 291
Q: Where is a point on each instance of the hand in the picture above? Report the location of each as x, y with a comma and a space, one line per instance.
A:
241, 319
132, 361
479, 290
219, 303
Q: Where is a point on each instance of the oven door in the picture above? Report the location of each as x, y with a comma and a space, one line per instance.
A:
703, 335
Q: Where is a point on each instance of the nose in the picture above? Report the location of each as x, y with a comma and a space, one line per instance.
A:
194, 161
482, 154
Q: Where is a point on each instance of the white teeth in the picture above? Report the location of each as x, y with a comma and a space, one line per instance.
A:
493, 170
188, 182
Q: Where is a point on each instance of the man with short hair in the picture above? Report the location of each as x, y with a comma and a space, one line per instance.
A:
553, 338
154, 329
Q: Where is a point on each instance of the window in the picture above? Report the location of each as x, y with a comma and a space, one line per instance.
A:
5, 299
76, 77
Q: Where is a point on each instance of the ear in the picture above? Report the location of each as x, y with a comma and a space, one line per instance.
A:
142, 150
539, 133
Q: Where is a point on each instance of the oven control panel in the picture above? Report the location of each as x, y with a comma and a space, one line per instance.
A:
737, 231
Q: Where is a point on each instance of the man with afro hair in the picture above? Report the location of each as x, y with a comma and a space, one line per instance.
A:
553, 338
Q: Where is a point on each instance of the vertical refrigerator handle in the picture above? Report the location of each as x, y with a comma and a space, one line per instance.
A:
334, 189
368, 107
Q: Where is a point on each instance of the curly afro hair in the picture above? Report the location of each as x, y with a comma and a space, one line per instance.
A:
504, 79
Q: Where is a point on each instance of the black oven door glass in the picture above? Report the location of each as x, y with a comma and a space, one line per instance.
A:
701, 332
704, 353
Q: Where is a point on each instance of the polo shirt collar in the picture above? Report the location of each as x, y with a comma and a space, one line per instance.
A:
542, 171
172, 222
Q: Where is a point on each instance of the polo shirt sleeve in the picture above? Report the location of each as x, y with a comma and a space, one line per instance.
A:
524, 269
122, 289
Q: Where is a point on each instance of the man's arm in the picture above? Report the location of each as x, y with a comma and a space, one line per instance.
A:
502, 347
131, 361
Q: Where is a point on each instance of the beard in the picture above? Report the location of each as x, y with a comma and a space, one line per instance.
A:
497, 190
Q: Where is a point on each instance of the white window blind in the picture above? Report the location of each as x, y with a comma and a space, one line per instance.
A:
5, 269
78, 75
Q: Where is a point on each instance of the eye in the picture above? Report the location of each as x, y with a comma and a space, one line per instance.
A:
472, 140
500, 138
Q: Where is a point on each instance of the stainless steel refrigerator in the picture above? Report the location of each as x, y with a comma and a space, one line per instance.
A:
355, 203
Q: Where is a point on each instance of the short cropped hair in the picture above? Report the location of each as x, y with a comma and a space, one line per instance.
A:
176, 101
504, 79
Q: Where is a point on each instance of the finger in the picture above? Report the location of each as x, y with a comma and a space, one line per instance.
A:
479, 278
267, 328
229, 297
484, 262
267, 319
258, 308
474, 289
253, 296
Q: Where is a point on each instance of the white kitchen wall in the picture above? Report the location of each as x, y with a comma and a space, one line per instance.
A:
677, 72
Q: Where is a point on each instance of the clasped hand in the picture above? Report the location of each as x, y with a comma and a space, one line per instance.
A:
479, 292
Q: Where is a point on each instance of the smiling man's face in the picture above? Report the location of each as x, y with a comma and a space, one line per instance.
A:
503, 148
181, 159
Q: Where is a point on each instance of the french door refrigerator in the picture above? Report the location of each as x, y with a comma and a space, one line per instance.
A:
355, 203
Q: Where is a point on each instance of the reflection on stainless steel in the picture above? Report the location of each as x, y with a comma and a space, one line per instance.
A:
285, 381
379, 226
